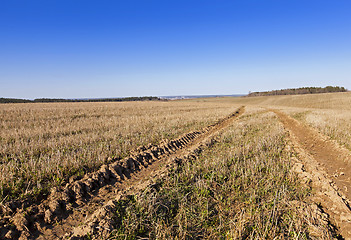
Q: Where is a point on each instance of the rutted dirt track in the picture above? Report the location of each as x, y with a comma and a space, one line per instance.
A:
327, 166
83, 205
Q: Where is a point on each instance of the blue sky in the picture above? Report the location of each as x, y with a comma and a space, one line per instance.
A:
79, 49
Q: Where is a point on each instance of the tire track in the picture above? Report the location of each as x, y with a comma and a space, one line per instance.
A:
327, 165
68, 207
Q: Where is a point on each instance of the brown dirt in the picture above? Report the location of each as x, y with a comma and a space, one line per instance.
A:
83, 206
327, 166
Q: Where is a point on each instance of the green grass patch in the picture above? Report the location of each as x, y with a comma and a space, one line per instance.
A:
241, 187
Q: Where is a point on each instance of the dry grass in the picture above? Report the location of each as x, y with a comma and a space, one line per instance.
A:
340, 101
335, 124
328, 113
241, 188
44, 144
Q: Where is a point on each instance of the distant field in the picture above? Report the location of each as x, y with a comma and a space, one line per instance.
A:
330, 113
332, 101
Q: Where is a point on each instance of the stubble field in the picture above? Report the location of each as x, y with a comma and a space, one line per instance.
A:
42, 145
190, 169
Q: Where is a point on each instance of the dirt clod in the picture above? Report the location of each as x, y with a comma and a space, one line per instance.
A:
10, 234
20, 221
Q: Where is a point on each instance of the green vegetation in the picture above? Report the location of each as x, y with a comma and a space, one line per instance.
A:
294, 91
240, 188
14, 100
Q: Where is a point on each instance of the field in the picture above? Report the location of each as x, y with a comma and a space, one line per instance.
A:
42, 145
272, 167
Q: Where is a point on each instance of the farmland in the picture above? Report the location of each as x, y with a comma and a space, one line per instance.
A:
201, 168
45, 144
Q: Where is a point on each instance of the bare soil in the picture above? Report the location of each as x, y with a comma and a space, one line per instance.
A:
84, 205
327, 166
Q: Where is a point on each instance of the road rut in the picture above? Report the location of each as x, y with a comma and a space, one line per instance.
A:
328, 166
71, 211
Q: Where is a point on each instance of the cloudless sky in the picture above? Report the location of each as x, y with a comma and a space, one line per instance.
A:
113, 48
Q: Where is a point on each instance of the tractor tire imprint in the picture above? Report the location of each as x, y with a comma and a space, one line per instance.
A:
83, 206
327, 166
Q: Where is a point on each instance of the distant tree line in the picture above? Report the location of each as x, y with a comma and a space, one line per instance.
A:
48, 100
295, 91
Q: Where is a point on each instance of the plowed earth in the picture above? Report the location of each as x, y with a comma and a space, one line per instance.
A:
327, 166
84, 205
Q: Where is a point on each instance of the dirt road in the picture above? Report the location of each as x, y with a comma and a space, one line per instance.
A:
328, 166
